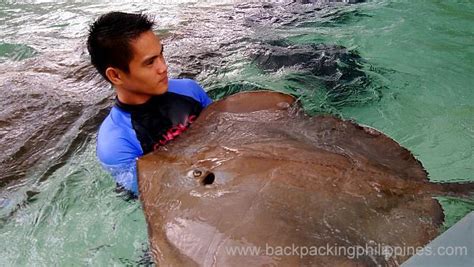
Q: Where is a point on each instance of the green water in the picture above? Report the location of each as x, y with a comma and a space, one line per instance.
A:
427, 49
428, 52
420, 55
75, 220
15, 52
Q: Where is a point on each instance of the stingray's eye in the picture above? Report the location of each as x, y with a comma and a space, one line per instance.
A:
197, 173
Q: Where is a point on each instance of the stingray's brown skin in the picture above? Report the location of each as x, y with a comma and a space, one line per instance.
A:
253, 171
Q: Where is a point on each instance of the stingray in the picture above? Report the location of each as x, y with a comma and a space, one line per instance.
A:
257, 182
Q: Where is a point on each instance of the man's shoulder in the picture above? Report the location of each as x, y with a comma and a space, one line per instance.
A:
116, 141
190, 88
186, 87
183, 82
117, 122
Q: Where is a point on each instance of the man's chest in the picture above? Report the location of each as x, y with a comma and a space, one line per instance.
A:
164, 119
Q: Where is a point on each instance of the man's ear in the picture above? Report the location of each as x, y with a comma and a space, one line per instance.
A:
114, 75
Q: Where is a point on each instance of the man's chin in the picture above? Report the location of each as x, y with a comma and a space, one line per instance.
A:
161, 90
163, 86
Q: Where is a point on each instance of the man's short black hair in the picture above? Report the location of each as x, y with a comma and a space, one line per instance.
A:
110, 36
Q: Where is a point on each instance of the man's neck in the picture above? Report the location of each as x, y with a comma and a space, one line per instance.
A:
130, 98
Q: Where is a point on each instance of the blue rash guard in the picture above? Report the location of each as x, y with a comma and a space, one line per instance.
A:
130, 131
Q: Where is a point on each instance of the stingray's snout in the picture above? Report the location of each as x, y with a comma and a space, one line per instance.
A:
203, 176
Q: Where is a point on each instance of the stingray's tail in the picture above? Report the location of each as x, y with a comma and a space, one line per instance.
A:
455, 189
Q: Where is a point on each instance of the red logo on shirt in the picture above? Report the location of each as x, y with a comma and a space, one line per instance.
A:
175, 131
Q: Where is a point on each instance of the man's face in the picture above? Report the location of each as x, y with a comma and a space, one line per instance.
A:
148, 73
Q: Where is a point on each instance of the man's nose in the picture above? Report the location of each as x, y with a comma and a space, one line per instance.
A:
161, 67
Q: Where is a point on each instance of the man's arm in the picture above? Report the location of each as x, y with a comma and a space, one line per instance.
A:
125, 175
117, 150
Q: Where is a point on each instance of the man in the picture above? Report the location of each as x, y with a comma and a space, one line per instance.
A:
150, 109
